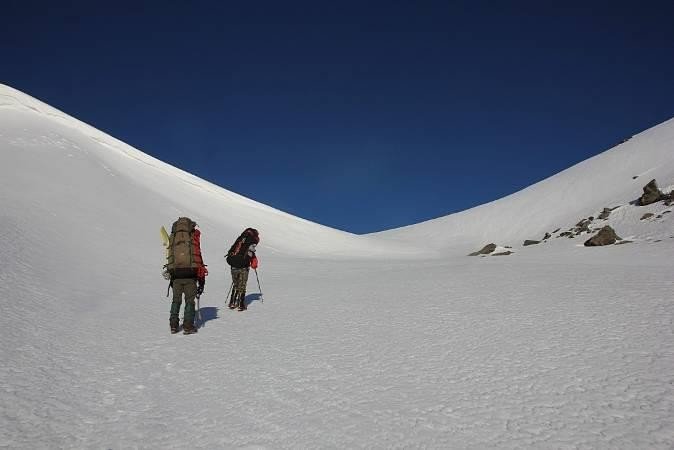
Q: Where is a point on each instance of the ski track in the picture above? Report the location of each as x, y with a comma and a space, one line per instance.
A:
582, 363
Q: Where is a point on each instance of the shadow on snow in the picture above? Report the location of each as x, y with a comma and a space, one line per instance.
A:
208, 313
250, 298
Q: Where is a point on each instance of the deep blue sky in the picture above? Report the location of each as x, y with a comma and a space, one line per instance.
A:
362, 115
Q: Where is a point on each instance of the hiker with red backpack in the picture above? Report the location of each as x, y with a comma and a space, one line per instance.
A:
241, 257
186, 269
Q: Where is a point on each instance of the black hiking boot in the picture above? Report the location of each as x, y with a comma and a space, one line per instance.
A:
174, 326
189, 328
242, 306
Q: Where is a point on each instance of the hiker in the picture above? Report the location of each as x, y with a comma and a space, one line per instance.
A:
187, 271
241, 257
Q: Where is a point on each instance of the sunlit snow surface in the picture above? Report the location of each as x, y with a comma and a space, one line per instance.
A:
391, 340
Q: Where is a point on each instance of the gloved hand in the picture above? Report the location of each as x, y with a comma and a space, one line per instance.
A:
253, 262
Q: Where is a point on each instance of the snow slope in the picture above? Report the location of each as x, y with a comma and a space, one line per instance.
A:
63, 145
391, 340
612, 178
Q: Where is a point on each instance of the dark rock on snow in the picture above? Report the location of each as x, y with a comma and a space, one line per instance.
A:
583, 226
606, 236
651, 194
669, 199
647, 216
604, 214
530, 242
487, 249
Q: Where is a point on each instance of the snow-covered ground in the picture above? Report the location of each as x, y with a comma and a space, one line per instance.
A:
391, 340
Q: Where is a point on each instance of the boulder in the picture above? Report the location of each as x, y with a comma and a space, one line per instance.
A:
606, 236
651, 194
530, 242
604, 214
487, 249
547, 236
647, 216
583, 226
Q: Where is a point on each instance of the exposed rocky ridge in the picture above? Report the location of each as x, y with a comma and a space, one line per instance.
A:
605, 234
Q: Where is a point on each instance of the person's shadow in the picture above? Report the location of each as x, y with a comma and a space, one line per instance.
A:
250, 298
208, 313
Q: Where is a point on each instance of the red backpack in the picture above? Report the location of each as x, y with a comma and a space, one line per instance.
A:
237, 256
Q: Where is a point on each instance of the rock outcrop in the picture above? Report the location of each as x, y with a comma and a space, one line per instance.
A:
583, 226
604, 214
606, 236
651, 194
487, 249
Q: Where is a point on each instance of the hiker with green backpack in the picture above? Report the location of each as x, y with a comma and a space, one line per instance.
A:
186, 269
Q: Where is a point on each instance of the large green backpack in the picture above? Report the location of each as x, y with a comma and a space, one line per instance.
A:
184, 250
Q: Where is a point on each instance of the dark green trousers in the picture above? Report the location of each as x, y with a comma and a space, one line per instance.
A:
187, 286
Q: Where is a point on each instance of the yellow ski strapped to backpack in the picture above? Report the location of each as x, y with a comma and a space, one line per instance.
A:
166, 242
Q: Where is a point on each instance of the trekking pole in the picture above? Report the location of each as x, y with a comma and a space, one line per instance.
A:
229, 292
258, 286
199, 321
